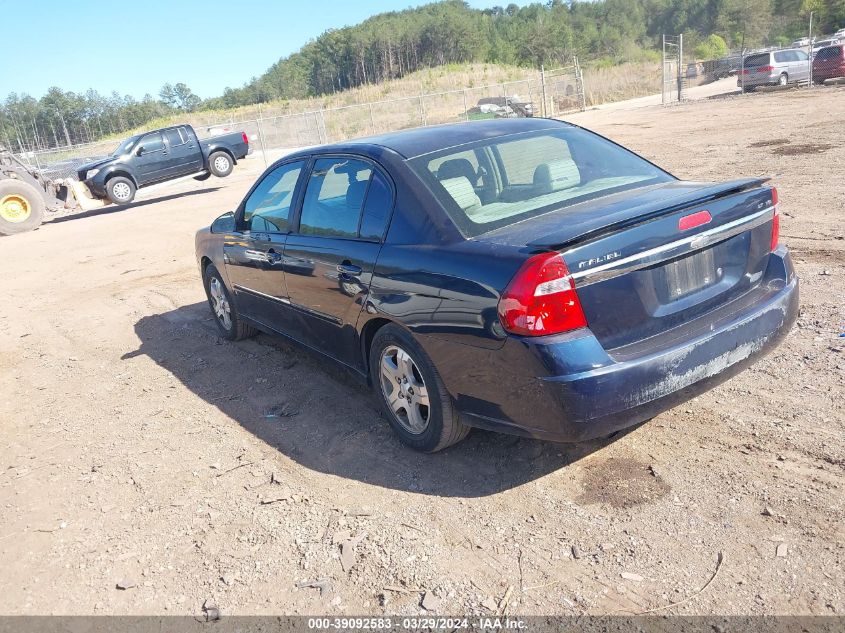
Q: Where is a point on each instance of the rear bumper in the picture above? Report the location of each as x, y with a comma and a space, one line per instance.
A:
579, 392
752, 81
831, 72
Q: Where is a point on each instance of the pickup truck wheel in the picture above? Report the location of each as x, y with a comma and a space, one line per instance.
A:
220, 164
120, 190
411, 392
21, 206
223, 308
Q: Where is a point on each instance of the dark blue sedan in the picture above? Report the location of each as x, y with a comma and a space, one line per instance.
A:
520, 275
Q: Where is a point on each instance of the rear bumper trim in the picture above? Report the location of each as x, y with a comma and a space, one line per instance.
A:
672, 250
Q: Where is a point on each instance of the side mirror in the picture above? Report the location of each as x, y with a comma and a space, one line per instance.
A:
224, 224
139, 150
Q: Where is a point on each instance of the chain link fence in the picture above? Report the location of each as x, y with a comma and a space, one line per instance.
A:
551, 93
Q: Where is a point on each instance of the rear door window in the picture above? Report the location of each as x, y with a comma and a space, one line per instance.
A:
334, 197
377, 208
174, 137
832, 52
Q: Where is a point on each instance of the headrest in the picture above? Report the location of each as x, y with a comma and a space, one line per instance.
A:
455, 168
556, 175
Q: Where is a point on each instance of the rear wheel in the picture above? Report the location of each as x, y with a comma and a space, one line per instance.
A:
220, 164
749, 88
120, 190
223, 308
21, 207
783, 79
411, 392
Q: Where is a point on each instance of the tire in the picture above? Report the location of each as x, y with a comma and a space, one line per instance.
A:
783, 79
220, 164
21, 206
120, 190
749, 88
204, 176
427, 427
223, 309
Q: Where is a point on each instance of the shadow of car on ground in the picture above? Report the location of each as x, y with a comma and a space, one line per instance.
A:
324, 418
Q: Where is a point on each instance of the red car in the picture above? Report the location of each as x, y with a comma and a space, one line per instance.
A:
829, 63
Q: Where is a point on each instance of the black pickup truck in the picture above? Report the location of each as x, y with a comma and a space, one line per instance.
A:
161, 155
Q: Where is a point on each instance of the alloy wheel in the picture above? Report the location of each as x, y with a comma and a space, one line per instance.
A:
121, 191
404, 389
219, 303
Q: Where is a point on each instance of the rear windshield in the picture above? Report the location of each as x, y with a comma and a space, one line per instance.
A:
831, 52
497, 182
757, 60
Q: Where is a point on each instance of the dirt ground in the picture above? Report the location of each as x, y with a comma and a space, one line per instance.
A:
139, 449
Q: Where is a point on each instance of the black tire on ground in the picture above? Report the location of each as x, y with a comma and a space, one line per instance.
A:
749, 88
21, 206
221, 304
220, 164
783, 79
443, 427
120, 190
204, 176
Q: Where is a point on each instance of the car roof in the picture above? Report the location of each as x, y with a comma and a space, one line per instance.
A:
424, 140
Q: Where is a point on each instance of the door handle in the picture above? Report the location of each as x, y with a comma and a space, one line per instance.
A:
273, 257
350, 270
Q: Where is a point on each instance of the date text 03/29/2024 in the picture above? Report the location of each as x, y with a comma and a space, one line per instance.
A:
416, 624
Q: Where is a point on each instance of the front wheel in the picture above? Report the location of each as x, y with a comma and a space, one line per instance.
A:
120, 190
223, 308
411, 392
220, 164
21, 206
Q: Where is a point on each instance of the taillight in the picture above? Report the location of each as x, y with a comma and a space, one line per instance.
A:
541, 299
766, 69
775, 221
245, 138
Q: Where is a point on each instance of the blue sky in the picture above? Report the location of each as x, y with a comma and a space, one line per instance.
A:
136, 46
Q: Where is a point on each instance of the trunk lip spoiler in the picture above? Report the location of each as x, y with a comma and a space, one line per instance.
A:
704, 195
678, 248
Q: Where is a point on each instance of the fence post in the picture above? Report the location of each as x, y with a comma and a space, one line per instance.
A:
261, 138
663, 71
372, 119
543, 85
466, 110
681, 72
810, 53
422, 111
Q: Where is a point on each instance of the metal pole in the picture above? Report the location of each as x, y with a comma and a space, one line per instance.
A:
261, 138
543, 84
810, 53
422, 111
663, 71
680, 64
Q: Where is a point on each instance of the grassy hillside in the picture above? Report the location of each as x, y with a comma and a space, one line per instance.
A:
603, 84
